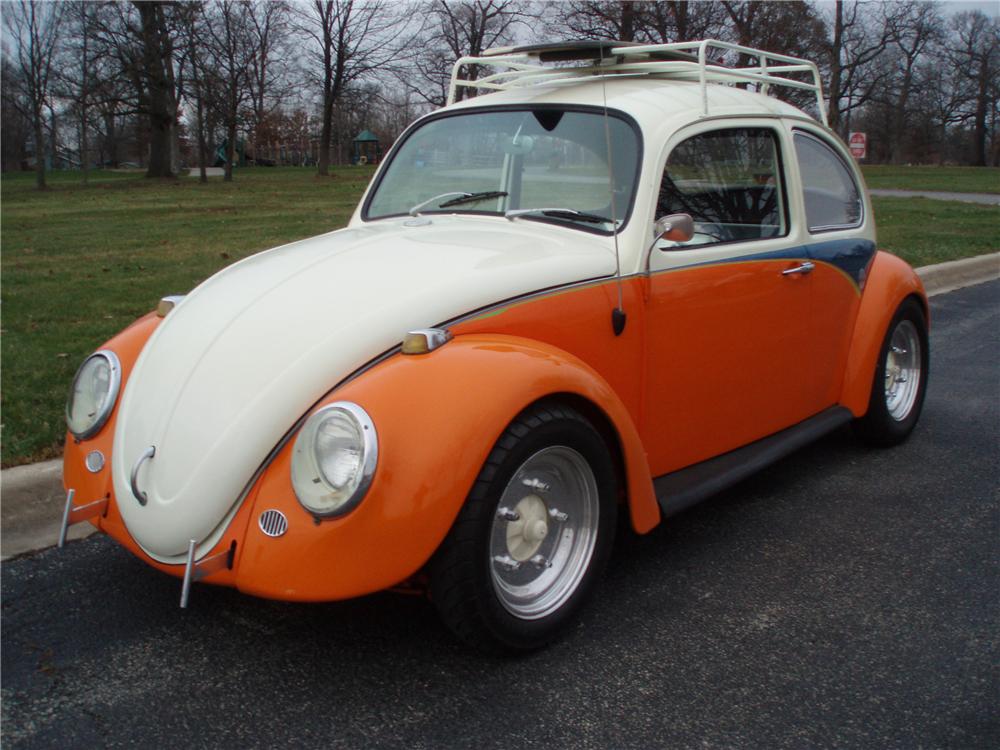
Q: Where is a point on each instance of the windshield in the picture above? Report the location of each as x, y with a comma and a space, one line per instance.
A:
512, 161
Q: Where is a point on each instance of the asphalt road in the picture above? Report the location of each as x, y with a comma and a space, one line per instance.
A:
842, 598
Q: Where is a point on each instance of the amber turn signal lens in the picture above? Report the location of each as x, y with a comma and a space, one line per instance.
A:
425, 340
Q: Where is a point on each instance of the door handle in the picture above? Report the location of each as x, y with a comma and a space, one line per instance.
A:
803, 268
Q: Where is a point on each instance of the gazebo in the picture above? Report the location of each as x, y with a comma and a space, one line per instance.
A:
365, 148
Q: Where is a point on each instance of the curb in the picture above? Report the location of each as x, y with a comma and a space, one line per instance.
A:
955, 274
31, 512
33, 495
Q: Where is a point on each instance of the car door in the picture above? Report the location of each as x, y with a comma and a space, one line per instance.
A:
839, 235
728, 312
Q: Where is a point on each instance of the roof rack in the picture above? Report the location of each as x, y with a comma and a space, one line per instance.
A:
680, 61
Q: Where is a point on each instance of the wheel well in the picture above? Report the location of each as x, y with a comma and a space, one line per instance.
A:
605, 428
924, 306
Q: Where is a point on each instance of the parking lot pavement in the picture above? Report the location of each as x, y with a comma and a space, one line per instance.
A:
841, 598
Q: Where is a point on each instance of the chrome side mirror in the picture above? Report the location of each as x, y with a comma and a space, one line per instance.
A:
675, 228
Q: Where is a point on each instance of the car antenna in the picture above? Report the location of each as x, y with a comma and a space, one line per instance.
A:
618, 314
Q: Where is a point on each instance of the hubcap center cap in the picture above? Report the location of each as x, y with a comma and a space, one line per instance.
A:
537, 531
525, 535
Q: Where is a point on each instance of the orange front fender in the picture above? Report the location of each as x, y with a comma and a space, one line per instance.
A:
890, 281
437, 417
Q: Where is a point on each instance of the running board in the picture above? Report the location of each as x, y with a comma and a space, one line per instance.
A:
681, 489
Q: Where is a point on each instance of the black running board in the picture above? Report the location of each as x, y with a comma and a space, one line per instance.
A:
682, 489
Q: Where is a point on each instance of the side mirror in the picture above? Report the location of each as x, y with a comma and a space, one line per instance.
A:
676, 228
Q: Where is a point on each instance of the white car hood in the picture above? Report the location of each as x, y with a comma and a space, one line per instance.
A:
243, 356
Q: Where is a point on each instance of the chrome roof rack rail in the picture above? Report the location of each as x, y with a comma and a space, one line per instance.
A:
516, 67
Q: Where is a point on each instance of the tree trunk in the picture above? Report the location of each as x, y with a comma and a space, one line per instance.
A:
202, 146
39, 151
230, 147
84, 95
160, 101
324, 140
833, 116
628, 22
979, 127
84, 151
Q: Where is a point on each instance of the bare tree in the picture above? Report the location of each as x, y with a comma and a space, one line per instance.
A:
231, 50
268, 31
191, 76
75, 76
976, 58
860, 34
792, 28
600, 19
458, 29
349, 40
34, 28
682, 21
913, 28
15, 120
636, 20
158, 89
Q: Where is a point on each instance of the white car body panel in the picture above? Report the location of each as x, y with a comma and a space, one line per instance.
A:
248, 352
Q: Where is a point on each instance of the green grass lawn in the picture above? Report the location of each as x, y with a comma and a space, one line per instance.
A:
925, 231
948, 179
81, 262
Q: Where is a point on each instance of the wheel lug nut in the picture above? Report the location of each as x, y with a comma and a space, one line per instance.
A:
557, 515
507, 562
507, 514
540, 561
535, 484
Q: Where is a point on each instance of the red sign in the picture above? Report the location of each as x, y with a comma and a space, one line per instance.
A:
859, 145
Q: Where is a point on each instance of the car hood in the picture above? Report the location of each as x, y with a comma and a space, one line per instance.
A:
250, 350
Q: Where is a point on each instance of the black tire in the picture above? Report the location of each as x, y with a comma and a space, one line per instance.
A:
466, 582
890, 421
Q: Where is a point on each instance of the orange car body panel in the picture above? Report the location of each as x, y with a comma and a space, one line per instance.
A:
890, 281
437, 416
89, 487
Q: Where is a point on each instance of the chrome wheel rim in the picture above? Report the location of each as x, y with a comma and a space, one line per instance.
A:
544, 532
902, 371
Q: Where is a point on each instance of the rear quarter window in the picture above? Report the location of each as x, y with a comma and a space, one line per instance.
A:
831, 194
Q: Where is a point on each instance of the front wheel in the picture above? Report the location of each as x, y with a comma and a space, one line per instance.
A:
900, 379
533, 536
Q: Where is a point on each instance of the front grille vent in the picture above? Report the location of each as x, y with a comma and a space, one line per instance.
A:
273, 522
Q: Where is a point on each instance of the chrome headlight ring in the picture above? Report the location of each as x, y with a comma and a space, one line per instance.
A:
94, 394
334, 459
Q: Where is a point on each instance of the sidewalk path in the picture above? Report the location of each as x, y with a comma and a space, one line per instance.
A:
33, 495
986, 199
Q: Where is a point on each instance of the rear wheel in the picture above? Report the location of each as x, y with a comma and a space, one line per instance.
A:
533, 536
900, 379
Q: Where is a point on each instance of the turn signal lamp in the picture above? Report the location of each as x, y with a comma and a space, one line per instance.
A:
425, 340
167, 304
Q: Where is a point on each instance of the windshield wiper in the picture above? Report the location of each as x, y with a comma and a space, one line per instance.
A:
473, 197
558, 213
461, 197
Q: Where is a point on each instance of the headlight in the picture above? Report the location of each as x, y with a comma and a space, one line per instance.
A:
334, 459
95, 389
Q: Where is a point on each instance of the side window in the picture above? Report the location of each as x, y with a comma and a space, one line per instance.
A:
730, 182
832, 197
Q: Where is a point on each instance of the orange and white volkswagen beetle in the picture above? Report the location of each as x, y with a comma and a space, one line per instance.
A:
600, 292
